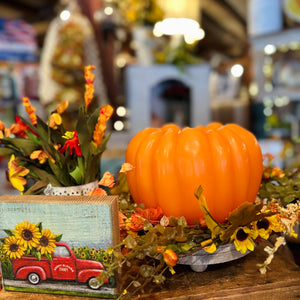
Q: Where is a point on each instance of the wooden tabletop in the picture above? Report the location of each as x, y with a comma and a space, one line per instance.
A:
239, 279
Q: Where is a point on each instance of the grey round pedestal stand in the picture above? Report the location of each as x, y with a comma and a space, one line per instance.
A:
199, 260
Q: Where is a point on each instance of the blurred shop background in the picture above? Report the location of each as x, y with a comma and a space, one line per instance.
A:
158, 61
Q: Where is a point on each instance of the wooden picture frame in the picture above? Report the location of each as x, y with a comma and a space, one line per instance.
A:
83, 227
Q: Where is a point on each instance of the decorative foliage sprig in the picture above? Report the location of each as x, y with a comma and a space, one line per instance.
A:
41, 152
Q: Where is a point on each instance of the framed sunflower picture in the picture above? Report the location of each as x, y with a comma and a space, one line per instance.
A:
59, 244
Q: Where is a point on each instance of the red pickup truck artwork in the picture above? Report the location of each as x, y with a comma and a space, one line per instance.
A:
63, 266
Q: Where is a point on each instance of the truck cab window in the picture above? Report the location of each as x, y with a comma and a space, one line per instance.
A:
61, 251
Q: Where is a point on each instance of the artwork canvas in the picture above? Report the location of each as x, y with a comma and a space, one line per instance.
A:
58, 244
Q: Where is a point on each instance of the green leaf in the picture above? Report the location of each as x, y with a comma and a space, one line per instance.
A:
23, 145
243, 215
9, 232
61, 174
58, 237
39, 226
185, 247
146, 270
78, 175
44, 176
7, 152
215, 228
130, 242
49, 256
137, 284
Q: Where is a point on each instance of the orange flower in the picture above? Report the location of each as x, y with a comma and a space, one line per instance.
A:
62, 106
107, 180
104, 115
126, 167
89, 87
19, 128
136, 222
2, 126
30, 110
170, 257
4, 132
41, 156
151, 214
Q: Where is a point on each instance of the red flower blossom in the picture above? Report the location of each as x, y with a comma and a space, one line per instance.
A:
136, 222
151, 214
72, 143
19, 128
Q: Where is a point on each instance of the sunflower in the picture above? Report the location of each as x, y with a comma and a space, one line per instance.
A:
243, 239
12, 248
265, 226
47, 242
27, 234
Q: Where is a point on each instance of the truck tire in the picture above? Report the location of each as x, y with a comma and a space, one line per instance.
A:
94, 283
34, 278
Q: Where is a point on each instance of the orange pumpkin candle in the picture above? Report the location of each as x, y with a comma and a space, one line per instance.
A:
171, 163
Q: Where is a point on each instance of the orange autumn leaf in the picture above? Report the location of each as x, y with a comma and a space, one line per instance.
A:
97, 192
107, 180
126, 167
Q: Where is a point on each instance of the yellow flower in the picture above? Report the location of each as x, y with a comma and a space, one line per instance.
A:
12, 248
47, 242
243, 239
55, 119
40, 155
27, 234
265, 226
16, 173
209, 246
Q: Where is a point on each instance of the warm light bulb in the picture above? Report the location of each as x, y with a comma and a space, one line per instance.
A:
119, 125
269, 49
237, 70
65, 15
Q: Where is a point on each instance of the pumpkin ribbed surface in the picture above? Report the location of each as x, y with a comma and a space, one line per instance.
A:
170, 163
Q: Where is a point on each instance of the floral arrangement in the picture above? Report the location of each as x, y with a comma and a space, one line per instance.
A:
40, 153
140, 13
153, 243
